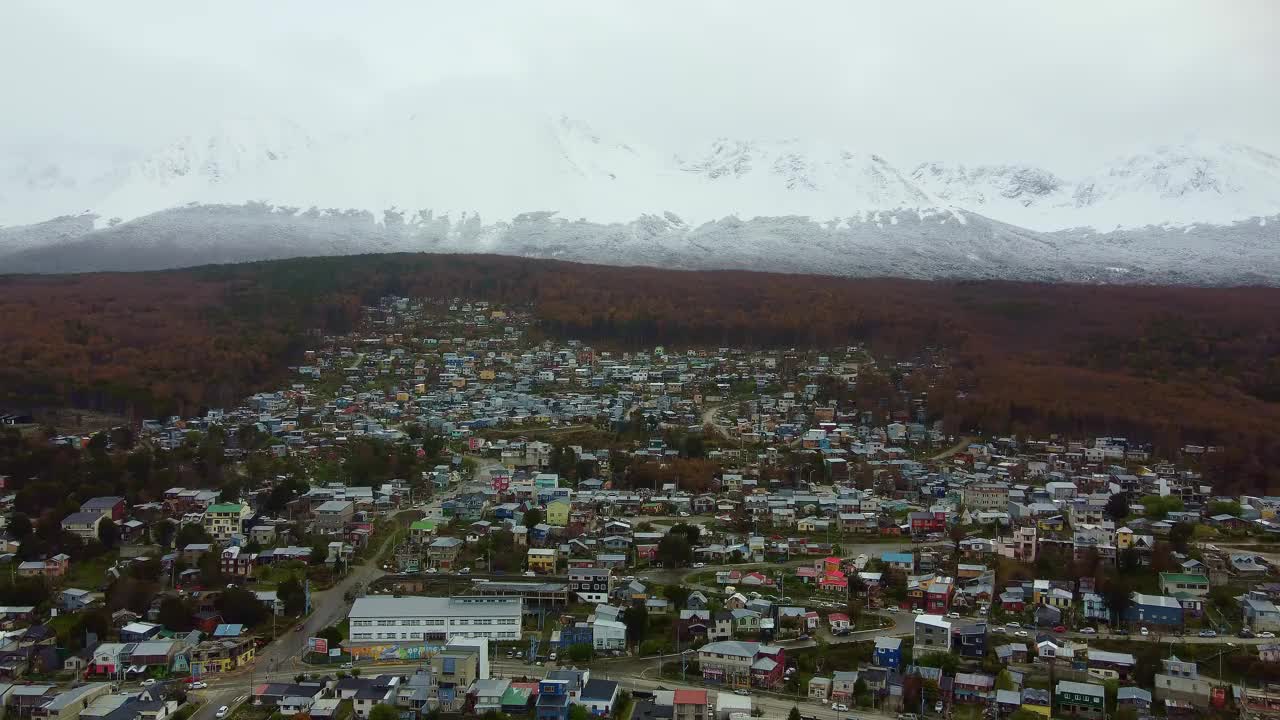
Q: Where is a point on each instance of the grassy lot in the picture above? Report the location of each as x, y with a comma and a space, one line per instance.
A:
90, 574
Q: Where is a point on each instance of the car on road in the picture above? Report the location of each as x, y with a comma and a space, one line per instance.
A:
511, 653
699, 565
552, 657
1022, 633
953, 615
839, 707
917, 611
892, 609
1208, 633
148, 682
528, 573
465, 571
804, 637
1012, 624
1268, 635
1144, 631
346, 666
519, 653
1088, 631
198, 685
432, 571
937, 707
684, 514
222, 711
1060, 628
299, 627
742, 691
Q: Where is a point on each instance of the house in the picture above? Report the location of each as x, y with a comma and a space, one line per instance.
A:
590, 584
1260, 614
973, 687
1154, 610
844, 685
1011, 653
1080, 700
553, 700
599, 696
819, 689
888, 652
112, 507
1135, 697
542, 560
74, 599
1174, 584
969, 639
333, 515
442, 553
728, 662
899, 561
83, 525
222, 521
1181, 681
839, 623
689, 705
933, 632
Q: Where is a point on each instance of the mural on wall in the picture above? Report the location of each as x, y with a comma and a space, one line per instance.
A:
395, 652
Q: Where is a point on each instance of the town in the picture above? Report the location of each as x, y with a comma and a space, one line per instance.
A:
449, 512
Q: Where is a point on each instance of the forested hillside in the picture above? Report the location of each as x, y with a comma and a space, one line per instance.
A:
1169, 365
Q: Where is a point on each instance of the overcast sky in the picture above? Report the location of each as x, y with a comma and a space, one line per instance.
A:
1057, 83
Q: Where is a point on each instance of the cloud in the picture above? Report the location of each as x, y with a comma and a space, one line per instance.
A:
1048, 82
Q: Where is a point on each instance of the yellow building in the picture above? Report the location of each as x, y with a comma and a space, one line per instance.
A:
542, 561
557, 514
487, 374
1124, 538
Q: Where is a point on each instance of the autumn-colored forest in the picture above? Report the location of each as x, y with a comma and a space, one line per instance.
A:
1168, 365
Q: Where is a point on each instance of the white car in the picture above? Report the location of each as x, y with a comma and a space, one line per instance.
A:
198, 685
1088, 631
148, 682
1013, 625
699, 565
953, 615
839, 707
222, 711
917, 611
432, 571
1145, 631
465, 571
937, 707
1022, 633
1268, 635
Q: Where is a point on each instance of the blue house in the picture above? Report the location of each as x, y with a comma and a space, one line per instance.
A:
899, 561
553, 700
576, 634
888, 652
1154, 610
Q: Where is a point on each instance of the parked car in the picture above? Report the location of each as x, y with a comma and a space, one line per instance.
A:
742, 691
1022, 633
465, 571
1246, 633
699, 565
1144, 631
1268, 634
804, 637
1208, 633
198, 685
917, 611
222, 711
839, 707
432, 571
937, 707
1060, 628
1013, 624
148, 682
953, 615
552, 657
1088, 631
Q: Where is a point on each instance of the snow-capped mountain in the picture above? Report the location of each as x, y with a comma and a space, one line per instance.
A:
484, 174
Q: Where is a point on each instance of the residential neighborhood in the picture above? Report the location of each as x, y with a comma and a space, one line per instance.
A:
442, 511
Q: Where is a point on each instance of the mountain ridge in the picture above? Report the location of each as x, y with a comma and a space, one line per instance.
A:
535, 185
